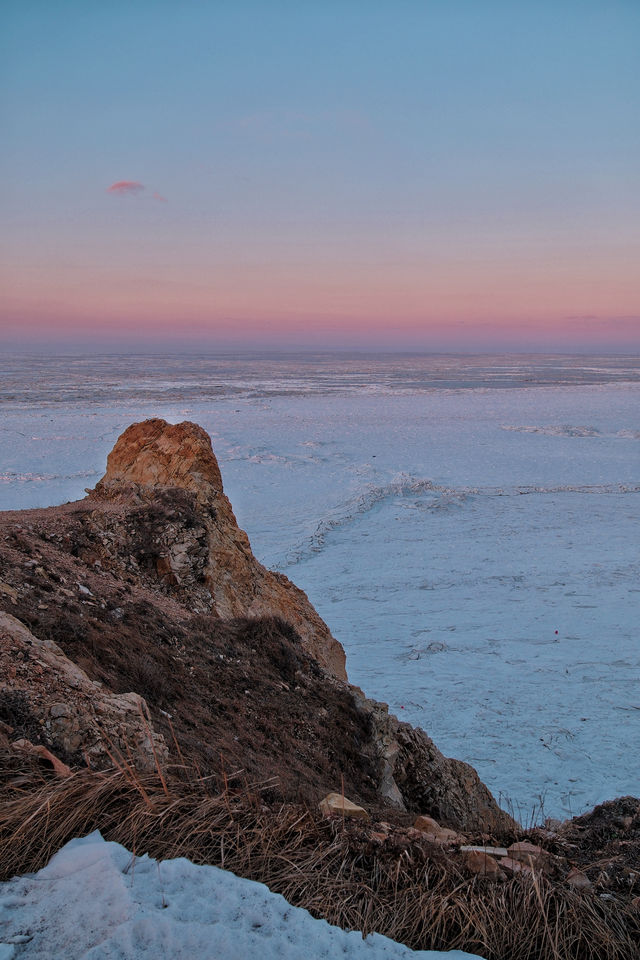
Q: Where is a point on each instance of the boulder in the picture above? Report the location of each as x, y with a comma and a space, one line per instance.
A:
514, 867
432, 829
529, 854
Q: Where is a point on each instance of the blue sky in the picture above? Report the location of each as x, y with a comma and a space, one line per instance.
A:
331, 171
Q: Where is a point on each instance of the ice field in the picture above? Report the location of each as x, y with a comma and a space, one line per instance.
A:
467, 528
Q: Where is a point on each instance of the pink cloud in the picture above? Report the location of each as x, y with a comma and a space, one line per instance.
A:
158, 196
126, 188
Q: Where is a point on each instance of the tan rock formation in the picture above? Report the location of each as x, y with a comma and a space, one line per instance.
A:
67, 709
153, 455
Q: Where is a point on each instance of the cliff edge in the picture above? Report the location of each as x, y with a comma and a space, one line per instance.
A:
138, 624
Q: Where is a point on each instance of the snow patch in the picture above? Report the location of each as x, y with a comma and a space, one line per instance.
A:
96, 901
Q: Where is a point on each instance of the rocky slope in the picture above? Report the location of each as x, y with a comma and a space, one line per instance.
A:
138, 626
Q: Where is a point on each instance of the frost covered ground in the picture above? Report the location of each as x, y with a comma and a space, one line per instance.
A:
469, 531
95, 901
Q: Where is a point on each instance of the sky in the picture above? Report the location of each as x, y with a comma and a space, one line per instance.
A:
433, 175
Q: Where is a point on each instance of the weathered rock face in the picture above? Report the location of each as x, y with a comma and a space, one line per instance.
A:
153, 456
58, 702
159, 454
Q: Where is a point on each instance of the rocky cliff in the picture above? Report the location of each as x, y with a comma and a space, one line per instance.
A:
213, 557
138, 624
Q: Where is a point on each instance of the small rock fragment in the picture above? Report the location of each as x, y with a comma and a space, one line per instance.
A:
482, 865
378, 836
432, 829
528, 853
492, 851
577, 879
9, 591
337, 803
513, 867
60, 710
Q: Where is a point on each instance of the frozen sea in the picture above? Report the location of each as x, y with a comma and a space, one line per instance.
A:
468, 528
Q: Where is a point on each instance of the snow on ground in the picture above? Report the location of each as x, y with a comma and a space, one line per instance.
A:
445, 535
95, 901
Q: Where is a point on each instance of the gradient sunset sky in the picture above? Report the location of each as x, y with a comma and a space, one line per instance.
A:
429, 175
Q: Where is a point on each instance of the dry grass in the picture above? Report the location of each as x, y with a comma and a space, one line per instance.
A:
410, 893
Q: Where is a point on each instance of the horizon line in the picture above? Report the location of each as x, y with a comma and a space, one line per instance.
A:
86, 352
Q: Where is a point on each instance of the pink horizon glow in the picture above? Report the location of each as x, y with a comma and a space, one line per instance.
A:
449, 304
570, 334
449, 294
450, 176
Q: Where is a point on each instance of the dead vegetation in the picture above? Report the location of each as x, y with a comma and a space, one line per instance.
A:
404, 887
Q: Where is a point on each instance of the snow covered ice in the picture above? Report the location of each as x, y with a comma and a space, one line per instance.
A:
467, 528
95, 901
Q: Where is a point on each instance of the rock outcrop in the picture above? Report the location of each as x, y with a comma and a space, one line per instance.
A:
154, 456
141, 613
417, 776
52, 698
